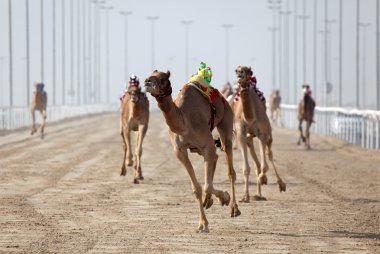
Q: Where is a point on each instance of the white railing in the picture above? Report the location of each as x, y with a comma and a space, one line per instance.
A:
16, 117
358, 127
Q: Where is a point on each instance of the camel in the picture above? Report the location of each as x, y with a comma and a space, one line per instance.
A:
252, 121
274, 106
39, 102
134, 117
227, 90
305, 113
191, 118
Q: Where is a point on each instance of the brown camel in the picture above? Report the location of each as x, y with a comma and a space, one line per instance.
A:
39, 101
252, 121
305, 113
189, 118
274, 106
134, 117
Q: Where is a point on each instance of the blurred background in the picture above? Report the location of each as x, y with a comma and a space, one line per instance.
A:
84, 50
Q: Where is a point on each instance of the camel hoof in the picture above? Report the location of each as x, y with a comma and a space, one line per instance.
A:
208, 203
123, 171
130, 163
259, 198
203, 229
263, 179
226, 200
235, 212
281, 186
136, 181
245, 199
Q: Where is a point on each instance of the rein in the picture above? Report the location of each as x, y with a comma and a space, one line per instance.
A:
164, 93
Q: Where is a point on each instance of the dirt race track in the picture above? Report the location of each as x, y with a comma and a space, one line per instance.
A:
64, 194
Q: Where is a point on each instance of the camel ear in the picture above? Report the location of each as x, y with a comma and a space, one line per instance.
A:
155, 71
250, 71
168, 73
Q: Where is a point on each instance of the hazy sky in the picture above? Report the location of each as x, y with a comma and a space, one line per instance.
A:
250, 43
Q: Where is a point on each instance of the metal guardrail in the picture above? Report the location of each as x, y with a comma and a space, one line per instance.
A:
358, 127
17, 117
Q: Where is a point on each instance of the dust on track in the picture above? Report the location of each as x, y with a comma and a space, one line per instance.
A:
64, 194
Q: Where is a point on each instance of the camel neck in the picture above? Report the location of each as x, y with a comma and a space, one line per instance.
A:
246, 100
172, 114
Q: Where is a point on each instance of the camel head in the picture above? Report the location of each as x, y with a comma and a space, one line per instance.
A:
39, 86
158, 84
134, 92
243, 74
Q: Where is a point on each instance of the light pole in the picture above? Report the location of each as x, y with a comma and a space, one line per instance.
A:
107, 9
152, 19
71, 92
78, 52
340, 52
42, 41
377, 55
227, 27
10, 55
286, 13
126, 14
275, 6
63, 55
315, 49
273, 30
304, 18
53, 41
27, 52
357, 51
364, 26
295, 52
186, 23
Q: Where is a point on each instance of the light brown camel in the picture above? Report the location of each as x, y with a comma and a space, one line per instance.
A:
305, 113
189, 118
227, 90
134, 117
39, 101
274, 106
252, 121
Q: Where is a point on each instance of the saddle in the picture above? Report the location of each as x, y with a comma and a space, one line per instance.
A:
210, 93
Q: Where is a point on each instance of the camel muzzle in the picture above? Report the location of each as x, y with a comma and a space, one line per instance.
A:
148, 86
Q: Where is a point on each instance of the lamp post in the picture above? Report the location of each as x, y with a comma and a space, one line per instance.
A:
357, 52
107, 9
27, 53
340, 52
186, 23
63, 55
377, 55
286, 13
53, 55
10, 55
304, 18
273, 30
42, 41
126, 14
364, 26
295, 52
152, 19
227, 27
275, 6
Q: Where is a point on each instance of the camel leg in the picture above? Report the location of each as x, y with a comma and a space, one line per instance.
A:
281, 184
123, 170
196, 187
307, 134
127, 133
139, 140
34, 130
258, 196
42, 128
263, 165
242, 139
302, 137
225, 133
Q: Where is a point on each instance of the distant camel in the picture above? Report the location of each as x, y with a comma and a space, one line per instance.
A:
227, 90
191, 117
274, 106
306, 113
134, 117
252, 121
39, 101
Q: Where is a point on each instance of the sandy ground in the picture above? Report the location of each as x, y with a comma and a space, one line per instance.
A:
64, 194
